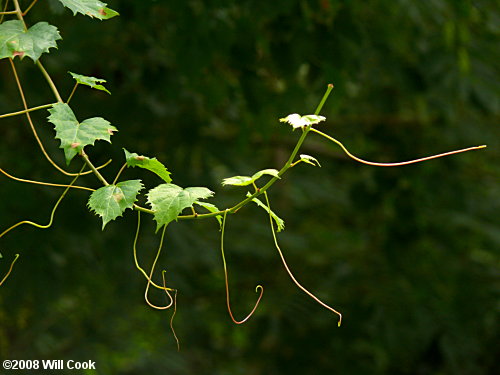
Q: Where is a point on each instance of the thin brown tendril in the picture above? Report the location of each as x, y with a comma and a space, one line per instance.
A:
172, 322
26, 110
41, 226
135, 256
33, 129
10, 269
29, 8
151, 275
226, 280
394, 164
44, 183
4, 12
290, 272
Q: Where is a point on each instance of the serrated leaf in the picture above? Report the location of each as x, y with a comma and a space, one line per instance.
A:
111, 201
298, 121
91, 8
211, 208
75, 136
247, 180
309, 160
279, 222
90, 81
168, 201
16, 41
151, 164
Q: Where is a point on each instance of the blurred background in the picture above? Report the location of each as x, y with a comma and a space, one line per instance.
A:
409, 255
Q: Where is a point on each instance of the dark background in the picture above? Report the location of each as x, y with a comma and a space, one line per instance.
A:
409, 255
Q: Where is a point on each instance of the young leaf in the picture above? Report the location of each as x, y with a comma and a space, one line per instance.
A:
247, 180
75, 136
168, 201
211, 208
279, 222
90, 81
111, 201
309, 160
298, 121
91, 8
151, 164
16, 41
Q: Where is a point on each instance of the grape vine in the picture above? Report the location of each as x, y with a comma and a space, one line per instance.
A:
168, 202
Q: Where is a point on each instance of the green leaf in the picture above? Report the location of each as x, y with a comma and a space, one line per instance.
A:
111, 201
91, 8
16, 41
75, 136
298, 121
90, 81
309, 160
247, 180
168, 201
151, 164
279, 222
211, 208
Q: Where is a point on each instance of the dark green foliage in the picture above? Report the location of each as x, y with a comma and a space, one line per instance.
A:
409, 255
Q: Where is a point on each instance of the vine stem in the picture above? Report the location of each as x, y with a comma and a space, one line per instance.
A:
397, 164
38, 63
226, 279
32, 125
260, 191
290, 272
289, 162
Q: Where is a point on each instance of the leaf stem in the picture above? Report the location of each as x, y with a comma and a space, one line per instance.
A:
27, 110
94, 169
398, 163
72, 93
49, 81
119, 173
